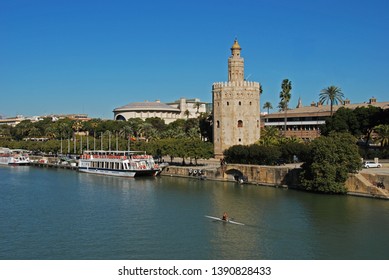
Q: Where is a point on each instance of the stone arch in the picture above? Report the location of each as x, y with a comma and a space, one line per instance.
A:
120, 118
235, 175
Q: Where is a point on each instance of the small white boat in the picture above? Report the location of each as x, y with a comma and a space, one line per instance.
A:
118, 163
14, 157
225, 221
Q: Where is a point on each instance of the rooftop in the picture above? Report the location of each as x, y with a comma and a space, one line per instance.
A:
317, 108
146, 106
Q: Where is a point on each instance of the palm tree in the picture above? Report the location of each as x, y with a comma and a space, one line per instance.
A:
269, 136
267, 106
331, 94
285, 96
382, 131
187, 113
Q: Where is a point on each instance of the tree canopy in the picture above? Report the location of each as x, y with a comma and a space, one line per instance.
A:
331, 159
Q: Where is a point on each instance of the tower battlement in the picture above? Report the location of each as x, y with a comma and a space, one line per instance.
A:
235, 84
236, 110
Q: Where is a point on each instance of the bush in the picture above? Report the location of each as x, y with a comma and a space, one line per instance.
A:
331, 159
252, 154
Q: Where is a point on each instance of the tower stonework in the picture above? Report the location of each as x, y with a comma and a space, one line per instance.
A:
236, 110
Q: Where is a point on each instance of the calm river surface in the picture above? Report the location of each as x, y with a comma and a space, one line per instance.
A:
60, 214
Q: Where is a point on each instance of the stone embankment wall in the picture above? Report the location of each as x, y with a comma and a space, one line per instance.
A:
360, 184
253, 174
370, 185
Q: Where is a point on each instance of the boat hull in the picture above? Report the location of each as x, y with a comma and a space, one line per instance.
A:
119, 173
116, 173
14, 161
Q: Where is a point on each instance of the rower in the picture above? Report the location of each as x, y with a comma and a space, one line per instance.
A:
225, 216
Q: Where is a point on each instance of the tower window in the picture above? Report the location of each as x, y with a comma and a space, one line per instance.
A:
228, 103
217, 124
240, 123
240, 103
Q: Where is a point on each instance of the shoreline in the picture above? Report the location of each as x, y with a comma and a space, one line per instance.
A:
362, 184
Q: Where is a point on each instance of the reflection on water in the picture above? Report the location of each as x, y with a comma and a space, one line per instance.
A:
61, 214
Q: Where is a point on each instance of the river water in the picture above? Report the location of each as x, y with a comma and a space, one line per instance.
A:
66, 215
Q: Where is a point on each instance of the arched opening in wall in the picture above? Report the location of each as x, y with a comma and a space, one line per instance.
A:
120, 118
240, 123
228, 103
240, 103
217, 124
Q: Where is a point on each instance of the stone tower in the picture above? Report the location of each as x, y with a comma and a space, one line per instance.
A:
236, 110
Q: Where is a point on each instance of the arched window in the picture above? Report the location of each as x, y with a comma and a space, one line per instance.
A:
120, 118
240, 103
228, 103
217, 124
240, 123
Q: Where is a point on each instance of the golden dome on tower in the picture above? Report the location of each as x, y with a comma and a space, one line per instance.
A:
236, 46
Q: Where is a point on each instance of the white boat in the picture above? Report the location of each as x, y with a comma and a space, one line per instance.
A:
225, 221
13, 157
118, 163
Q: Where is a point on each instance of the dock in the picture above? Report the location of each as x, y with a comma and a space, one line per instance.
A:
53, 165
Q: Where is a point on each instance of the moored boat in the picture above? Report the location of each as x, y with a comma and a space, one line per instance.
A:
13, 157
118, 163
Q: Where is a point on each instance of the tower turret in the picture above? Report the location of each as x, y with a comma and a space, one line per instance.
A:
235, 107
235, 63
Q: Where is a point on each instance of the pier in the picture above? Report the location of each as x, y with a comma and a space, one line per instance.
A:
53, 165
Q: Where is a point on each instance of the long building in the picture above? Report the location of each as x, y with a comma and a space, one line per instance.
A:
304, 121
169, 112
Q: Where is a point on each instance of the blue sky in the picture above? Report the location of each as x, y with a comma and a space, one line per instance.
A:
84, 56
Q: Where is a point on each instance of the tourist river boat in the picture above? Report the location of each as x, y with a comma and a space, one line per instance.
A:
13, 157
118, 163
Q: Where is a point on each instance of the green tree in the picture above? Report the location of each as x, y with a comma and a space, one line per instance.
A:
187, 113
252, 154
267, 106
270, 135
331, 94
285, 96
157, 123
330, 160
205, 125
382, 132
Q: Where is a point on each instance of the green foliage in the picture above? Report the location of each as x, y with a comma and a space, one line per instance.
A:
331, 159
267, 106
331, 94
291, 149
205, 125
382, 132
182, 138
361, 123
252, 154
285, 94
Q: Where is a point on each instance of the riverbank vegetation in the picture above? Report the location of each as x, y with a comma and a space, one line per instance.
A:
331, 158
189, 138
